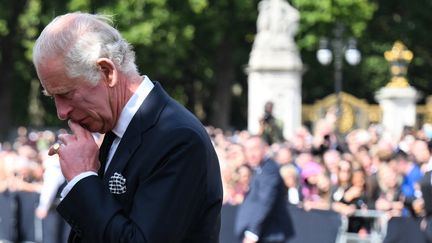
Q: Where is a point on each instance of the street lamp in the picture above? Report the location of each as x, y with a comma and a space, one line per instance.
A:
339, 47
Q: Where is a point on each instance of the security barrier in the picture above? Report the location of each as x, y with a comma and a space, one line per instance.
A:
17, 217
319, 226
18, 224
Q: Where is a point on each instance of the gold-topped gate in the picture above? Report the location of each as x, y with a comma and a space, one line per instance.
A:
357, 113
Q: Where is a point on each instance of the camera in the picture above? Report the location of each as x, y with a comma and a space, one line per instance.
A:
267, 118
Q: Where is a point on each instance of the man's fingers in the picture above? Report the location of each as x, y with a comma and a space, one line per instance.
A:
65, 138
78, 130
51, 151
54, 149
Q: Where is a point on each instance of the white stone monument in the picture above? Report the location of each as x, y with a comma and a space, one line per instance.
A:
275, 67
398, 99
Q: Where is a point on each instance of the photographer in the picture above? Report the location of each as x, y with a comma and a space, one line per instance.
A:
270, 128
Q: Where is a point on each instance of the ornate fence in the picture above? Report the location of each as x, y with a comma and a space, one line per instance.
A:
357, 113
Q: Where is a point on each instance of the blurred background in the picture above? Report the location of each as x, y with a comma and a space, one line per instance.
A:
198, 49
340, 92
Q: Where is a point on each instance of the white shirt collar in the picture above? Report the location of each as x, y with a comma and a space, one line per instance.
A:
132, 106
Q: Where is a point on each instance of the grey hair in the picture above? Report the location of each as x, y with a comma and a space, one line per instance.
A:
81, 39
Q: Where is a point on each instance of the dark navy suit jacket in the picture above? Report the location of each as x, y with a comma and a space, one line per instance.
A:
426, 189
173, 183
264, 210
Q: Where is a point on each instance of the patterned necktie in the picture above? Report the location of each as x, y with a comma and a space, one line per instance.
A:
104, 151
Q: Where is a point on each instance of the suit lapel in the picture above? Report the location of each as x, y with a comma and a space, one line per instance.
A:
145, 118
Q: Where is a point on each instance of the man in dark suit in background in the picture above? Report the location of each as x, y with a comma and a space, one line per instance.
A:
263, 216
156, 178
426, 189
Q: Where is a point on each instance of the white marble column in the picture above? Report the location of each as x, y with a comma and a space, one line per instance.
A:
399, 108
283, 88
275, 67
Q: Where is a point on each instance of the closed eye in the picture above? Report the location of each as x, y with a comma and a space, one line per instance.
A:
66, 95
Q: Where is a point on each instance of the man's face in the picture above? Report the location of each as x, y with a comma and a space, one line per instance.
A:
254, 151
421, 152
76, 99
284, 156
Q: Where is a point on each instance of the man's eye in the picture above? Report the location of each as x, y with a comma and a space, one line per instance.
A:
66, 95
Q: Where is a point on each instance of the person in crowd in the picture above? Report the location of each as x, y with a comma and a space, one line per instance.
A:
22, 137
406, 142
263, 216
356, 139
55, 229
381, 152
27, 173
411, 174
422, 156
229, 185
301, 141
290, 176
322, 200
234, 155
156, 177
241, 188
331, 159
425, 132
302, 159
426, 190
357, 195
4, 177
311, 173
271, 129
389, 198
340, 202
232, 159
363, 157
283, 156
375, 132
324, 137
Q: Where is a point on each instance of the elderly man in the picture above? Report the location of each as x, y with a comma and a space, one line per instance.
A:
156, 177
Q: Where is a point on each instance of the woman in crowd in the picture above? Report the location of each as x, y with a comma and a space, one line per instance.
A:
340, 203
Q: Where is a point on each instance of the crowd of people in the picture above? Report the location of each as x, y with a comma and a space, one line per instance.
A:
22, 161
26, 167
366, 169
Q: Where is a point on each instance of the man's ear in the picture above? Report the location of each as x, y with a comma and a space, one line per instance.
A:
108, 70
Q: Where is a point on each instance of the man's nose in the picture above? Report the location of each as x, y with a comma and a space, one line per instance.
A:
63, 109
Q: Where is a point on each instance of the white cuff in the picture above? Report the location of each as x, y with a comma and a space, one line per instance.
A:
251, 235
74, 181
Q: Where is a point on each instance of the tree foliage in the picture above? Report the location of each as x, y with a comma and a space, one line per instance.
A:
198, 49
318, 19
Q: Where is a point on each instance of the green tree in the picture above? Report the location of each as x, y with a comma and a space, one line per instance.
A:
407, 21
15, 31
318, 19
198, 50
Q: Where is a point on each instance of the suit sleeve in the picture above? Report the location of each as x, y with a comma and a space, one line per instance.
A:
164, 204
426, 189
267, 196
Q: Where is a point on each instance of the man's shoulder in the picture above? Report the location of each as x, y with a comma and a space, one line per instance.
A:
415, 173
270, 164
176, 118
269, 168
